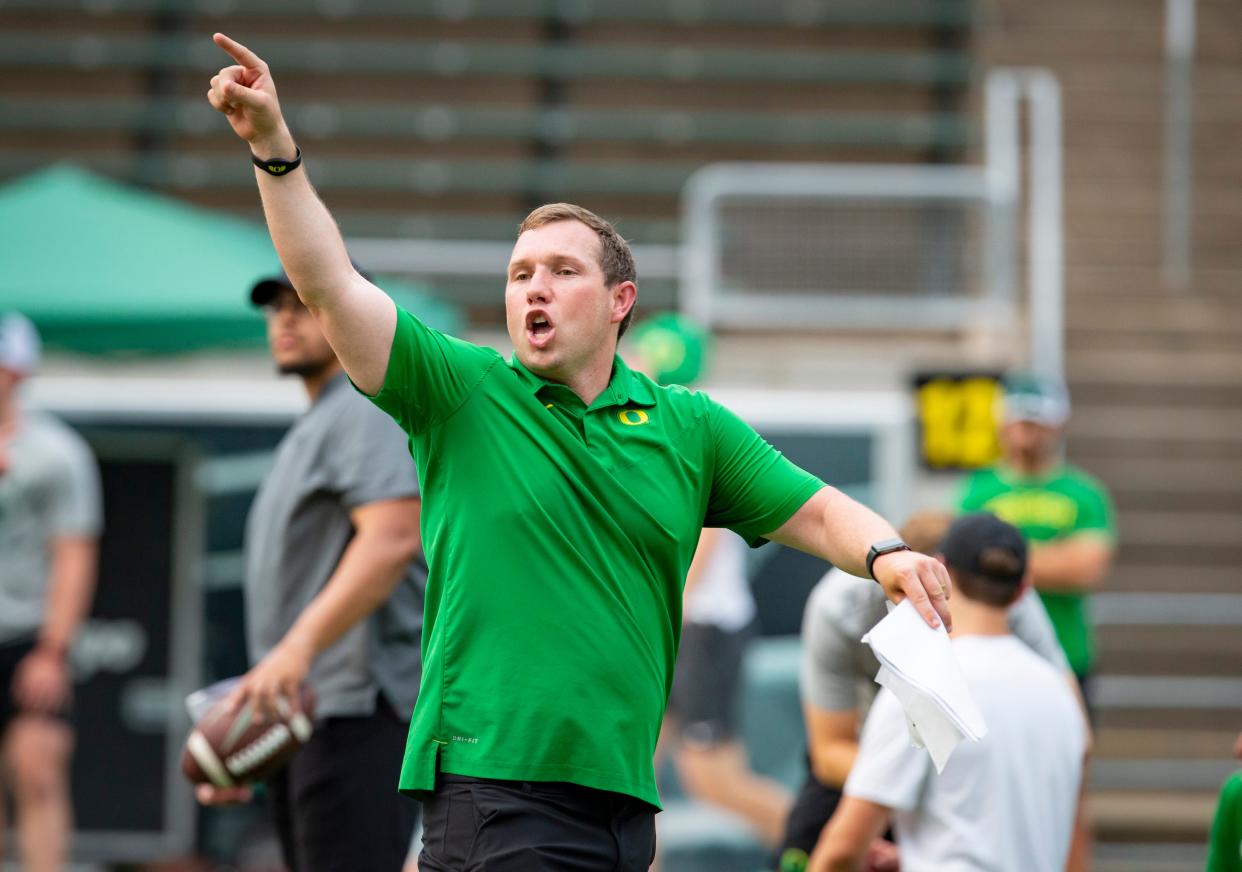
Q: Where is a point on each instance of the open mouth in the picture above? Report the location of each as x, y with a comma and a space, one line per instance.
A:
539, 329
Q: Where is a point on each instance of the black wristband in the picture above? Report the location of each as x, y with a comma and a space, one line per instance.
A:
879, 549
278, 166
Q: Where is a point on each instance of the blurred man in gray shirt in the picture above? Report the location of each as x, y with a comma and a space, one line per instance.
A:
50, 519
334, 585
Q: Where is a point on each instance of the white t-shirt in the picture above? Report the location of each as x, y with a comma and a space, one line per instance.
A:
1002, 804
722, 597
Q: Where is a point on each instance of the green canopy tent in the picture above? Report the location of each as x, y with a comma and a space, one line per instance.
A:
103, 268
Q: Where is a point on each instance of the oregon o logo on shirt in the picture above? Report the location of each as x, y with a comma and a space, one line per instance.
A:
633, 417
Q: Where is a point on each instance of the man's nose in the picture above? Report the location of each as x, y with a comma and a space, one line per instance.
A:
540, 286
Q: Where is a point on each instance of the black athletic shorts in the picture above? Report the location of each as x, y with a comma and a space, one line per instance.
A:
336, 807
706, 682
812, 808
11, 654
533, 826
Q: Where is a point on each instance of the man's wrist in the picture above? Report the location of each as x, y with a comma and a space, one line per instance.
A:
881, 549
298, 641
278, 166
52, 648
280, 145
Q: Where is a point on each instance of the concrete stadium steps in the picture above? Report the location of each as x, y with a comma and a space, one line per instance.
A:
1151, 816
1188, 651
1122, 742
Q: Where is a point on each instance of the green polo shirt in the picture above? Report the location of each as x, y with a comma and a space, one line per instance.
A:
557, 538
1063, 503
1225, 841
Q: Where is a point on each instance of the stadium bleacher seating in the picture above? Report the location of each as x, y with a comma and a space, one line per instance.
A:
449, 119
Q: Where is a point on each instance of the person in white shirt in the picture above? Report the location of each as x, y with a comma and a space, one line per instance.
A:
1002, 804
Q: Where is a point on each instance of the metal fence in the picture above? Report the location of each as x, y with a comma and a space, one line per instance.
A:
823, 246
919, 246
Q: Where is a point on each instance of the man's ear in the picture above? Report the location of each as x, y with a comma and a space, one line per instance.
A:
624, 296
1028, 582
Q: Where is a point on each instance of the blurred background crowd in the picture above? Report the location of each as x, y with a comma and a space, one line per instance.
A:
866, 213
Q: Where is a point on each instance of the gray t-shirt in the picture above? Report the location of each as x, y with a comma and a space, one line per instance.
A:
49, 489
343, 453
838, 670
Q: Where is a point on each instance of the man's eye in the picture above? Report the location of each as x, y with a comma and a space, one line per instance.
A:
519, 277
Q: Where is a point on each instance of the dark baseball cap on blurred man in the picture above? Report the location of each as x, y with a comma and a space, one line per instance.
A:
266, 289
986, 556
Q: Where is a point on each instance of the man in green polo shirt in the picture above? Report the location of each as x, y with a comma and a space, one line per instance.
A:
1064, 512
563, 499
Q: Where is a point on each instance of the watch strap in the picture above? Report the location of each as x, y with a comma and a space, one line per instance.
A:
278, 166
884, 546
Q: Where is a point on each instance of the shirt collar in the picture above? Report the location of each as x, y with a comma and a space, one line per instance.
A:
1013, 476
624, 388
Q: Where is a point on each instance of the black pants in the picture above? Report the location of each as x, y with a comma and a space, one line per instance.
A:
336, 807
487, 825
811, 809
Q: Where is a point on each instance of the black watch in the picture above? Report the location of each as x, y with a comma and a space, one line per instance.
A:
884, 546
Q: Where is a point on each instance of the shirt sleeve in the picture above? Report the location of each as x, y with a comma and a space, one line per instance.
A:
1095, 510
828, 680
76, 503
754, 488
1028, 619
371, 458
430, 374
888, 771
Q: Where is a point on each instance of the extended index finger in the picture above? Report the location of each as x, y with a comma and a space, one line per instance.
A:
238, 52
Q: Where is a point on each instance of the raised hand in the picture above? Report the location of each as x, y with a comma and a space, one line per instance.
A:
923, 579
246, 94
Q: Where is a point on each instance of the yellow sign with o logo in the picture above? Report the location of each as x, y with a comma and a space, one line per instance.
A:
633, 417
958, 419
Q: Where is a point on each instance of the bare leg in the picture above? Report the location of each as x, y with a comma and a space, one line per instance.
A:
37, 751
721, 775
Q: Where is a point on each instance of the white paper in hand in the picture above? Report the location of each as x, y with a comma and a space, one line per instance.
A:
918, 665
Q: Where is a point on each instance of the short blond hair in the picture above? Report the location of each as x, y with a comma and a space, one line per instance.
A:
615, 259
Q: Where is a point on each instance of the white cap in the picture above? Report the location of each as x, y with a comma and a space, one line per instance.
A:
19, 344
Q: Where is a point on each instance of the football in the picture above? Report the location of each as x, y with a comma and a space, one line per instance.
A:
230, 749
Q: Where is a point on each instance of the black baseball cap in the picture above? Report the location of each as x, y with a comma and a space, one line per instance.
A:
973, 535
266, 289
